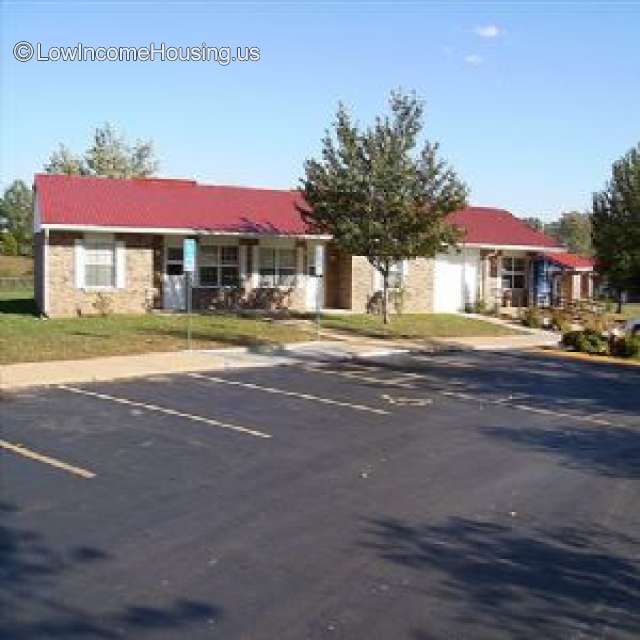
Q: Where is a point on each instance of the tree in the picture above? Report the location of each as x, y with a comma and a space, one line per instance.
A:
8, 244
616, 225
377, 195
534, 223
17, 210
109, 155
64, 161
573, 229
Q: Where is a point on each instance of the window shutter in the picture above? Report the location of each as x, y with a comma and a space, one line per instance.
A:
121, 265
79, 264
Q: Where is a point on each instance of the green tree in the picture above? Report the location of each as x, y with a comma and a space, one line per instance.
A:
109, 155
616, 225
573, 229
64, 161
8, 244
17, 210
377, 194
535, 223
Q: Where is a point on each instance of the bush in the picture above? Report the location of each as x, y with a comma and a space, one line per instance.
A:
596, 322
589, 341
8, 245
627, 347
570, 339
561, 320
532, 317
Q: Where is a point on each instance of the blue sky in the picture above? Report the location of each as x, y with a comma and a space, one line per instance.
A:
531, 101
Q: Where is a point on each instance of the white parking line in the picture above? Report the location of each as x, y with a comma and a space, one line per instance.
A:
512, 402
292, 394
53, 462
167, 411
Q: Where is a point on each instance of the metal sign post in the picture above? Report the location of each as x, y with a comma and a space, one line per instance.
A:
189, 267
318, 273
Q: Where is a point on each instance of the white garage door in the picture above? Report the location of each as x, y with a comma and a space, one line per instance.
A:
448, 283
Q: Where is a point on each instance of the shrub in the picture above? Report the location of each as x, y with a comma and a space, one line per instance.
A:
596, 322
589, 341
561, 320
103, 304
628, 346
8, 245
570, 339
480, 306
532, 317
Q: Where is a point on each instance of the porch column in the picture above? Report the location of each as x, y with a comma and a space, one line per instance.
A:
300, 273
575, 286
254, 277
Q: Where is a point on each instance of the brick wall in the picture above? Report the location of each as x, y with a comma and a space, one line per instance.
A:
418, 285
66, 300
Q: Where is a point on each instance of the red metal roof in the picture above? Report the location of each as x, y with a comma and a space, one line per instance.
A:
570, 260
486, 225
185, 204
166, 203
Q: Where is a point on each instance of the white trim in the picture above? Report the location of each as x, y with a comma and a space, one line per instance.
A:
78, 264
121, 265
185, 231
514, 247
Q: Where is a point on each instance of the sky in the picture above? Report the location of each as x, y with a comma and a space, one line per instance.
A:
530, 101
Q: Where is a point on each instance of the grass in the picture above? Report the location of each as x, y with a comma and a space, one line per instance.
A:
631, 310
427, 325
26, 338
15, 266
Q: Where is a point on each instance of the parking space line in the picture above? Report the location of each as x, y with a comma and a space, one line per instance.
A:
167, 411
511, 402
53, 462
292, 394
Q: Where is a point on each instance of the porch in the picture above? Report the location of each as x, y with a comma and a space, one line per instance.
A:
235, 272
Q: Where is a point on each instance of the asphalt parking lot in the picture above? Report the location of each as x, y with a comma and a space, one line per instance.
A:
421, 497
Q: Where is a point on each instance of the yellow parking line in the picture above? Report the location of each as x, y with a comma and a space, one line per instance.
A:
167, 411
293, 394
53, 462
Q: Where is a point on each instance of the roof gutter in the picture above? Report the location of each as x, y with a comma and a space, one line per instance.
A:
181, 231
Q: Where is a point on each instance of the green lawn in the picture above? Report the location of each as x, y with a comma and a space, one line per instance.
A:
426, 325
26, 338
631, 310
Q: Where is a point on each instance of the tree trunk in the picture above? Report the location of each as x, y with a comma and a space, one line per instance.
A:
385, 295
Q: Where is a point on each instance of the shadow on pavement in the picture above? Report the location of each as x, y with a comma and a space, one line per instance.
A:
502, 581
32, 608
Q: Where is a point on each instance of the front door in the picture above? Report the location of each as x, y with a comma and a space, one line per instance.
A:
314, 284
174, 285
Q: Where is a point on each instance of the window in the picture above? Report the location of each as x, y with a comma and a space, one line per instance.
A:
99, 263
174, 261
218, 266
277, 267
513, 270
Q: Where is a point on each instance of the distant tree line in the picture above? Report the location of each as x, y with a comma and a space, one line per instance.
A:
573, 229
109, 155
610, 232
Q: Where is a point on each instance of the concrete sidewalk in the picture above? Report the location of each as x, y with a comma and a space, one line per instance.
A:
31, 374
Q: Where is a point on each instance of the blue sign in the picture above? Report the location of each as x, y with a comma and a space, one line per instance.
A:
189, 255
